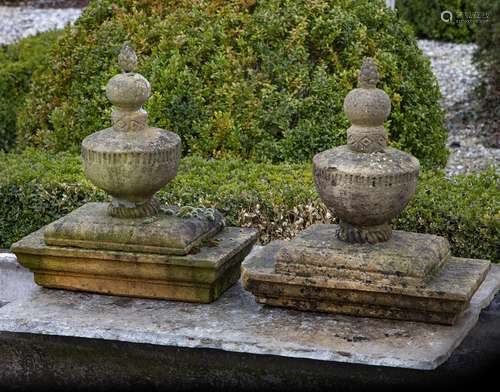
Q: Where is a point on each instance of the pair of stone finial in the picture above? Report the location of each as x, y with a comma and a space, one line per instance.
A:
367, 107
364, 183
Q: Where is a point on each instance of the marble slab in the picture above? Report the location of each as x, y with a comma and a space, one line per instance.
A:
235, 322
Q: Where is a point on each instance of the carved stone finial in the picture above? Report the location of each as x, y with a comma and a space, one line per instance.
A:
128, 91
365, 182
127, 59
368, 76
130, 160
367, 107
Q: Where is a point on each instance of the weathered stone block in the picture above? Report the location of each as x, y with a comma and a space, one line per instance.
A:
406, 259
201, 276
91, 227
360, 292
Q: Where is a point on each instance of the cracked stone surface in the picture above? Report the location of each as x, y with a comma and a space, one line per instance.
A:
237, 323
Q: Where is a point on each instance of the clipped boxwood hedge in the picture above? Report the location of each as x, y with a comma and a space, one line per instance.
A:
280, 200
425, 17
17, 64
264, 82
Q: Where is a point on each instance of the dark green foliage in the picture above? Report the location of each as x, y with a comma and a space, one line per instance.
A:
265, 83
17, 63
487, 57
280, 200
425, 17
465, 209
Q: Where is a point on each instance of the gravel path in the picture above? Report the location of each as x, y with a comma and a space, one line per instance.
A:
46, 3
20, 22
467, 133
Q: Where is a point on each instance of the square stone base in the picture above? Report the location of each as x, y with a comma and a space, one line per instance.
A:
201, 276
407, 259
91, 227
357, 291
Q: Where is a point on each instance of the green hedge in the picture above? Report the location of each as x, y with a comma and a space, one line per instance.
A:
17, 64
265, 83
425, 17
280, 200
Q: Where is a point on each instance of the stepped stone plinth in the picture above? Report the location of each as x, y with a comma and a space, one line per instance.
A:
360, 266
134, 245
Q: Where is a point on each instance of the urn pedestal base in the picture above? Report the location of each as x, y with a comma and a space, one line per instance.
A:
91, 227
410, 277
201, 276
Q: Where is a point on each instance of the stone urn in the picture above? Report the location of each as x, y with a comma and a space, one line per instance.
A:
359, 267
365, 183
134, 246
130, 161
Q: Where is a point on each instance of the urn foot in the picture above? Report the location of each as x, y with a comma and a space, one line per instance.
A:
363, 234
125, 209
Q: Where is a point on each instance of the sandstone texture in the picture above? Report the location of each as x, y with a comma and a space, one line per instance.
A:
201, 276
131, 161
365, 183
361, 267
406, 259
135, 246
354, 283
91, 227
365, 190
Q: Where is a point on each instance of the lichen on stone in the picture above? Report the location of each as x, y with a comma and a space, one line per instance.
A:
191, 212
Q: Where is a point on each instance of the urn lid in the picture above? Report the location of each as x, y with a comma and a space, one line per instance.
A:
367, 107
128, 91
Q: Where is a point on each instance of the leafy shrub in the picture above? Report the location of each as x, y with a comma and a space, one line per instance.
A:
487, 57
425, 17
464, 209
280, 200
264, 83
17, 63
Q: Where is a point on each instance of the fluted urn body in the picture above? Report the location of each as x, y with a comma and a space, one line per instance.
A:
130, 161
131, 167
365, 183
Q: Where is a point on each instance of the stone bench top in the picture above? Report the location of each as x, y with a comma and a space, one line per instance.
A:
235, 323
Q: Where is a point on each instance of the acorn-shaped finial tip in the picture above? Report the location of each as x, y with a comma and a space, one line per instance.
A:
127, 59
368, 77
